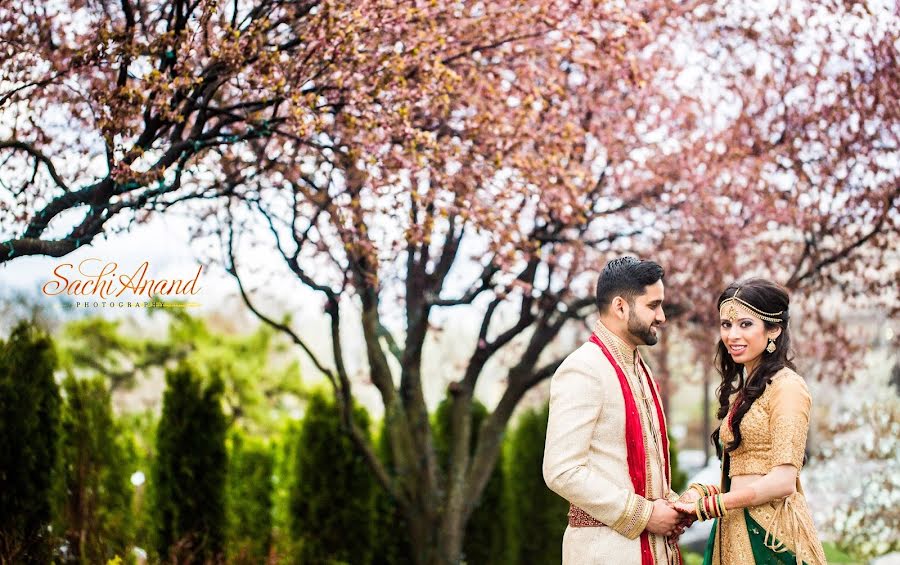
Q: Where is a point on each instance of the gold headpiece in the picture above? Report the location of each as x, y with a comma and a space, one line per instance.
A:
732, 307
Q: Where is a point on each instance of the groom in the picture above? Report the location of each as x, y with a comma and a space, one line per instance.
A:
607, 451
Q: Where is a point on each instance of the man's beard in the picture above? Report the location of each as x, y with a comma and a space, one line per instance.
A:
640, 331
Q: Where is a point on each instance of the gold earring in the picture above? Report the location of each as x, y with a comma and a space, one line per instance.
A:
771, 347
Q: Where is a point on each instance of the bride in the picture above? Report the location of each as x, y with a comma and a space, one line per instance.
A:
759, 507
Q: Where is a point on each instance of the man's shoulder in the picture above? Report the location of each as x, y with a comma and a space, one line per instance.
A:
588, 358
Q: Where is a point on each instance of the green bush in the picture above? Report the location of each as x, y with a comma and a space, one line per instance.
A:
94, 500
284, 447
138, 434
250, 470
536, 516
332, 498
29, 432
190, 469
679, 477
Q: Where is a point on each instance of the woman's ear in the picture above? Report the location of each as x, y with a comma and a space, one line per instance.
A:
774, 332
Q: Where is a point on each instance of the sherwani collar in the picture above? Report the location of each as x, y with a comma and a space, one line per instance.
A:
626, 354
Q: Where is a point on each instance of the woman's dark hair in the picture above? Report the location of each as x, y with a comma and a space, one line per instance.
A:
627, 277
765, 296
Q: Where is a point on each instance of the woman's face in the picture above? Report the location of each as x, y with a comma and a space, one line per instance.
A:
745, 337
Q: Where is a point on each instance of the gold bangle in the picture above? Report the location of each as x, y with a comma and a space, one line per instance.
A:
722, 504
697, 504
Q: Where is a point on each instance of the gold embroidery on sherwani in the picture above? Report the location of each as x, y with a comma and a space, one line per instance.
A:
635, 517
629, 360
784, 406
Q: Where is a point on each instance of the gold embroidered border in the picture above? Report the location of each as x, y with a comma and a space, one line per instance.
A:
629, 509
634, 518
645, 509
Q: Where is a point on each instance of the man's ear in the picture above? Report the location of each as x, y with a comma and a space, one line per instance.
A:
619, 307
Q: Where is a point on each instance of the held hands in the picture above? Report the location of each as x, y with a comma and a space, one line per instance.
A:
690, 496
666, 520
686, 504
684, 507
685, 518
703, 502
687, 509
672, 518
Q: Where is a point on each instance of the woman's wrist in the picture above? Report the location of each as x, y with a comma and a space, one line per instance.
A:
711, 506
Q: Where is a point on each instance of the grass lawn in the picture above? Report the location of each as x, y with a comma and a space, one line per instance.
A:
835, 555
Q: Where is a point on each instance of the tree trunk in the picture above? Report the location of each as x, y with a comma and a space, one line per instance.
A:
435, 545
421, 540
450, 547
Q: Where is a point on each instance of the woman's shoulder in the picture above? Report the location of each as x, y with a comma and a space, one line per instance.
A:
788, 377
787, 383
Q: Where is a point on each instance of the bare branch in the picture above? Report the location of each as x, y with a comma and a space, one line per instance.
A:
340, 383
483, 284
845, 251
39, 83
39, 156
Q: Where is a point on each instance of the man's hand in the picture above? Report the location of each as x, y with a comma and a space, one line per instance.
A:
685, 507
664, 520
685, 521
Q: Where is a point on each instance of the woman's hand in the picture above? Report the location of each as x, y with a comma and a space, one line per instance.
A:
689, 508
690, 496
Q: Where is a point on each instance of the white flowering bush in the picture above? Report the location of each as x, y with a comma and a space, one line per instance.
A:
857, 478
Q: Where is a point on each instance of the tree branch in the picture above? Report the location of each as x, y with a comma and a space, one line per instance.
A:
483, 284
340, 383
39, 156
845, 251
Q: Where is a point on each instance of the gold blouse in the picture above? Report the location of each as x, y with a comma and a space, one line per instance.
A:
774, 429
773, 432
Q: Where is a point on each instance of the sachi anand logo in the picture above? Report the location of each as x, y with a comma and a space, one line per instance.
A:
98, 283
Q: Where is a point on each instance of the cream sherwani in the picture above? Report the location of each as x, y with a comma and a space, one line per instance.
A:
585, 455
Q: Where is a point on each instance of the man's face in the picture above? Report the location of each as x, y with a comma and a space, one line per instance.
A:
646, 314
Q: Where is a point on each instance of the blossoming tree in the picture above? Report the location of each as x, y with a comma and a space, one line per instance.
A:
418, 156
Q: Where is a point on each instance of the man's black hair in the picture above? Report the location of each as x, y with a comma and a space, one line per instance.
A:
626, 277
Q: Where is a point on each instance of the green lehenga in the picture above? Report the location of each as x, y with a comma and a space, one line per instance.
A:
762, 555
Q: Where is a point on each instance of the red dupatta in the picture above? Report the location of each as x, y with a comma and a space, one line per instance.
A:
634, 439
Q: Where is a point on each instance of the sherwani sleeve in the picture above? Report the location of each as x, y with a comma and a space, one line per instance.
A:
576, 405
